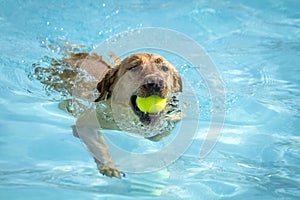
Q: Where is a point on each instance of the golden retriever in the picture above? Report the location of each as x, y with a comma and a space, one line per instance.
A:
118, 86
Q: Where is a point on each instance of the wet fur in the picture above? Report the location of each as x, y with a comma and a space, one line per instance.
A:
141, 66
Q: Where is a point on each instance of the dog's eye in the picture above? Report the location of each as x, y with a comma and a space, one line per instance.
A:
134, 67
164, 68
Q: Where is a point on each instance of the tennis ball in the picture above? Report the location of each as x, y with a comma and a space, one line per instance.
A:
152, 104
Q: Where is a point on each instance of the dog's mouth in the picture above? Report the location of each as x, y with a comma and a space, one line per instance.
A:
146, 118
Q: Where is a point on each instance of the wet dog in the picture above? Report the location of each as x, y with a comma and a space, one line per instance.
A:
118, 86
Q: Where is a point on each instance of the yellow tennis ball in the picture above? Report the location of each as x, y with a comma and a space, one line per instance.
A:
152, 104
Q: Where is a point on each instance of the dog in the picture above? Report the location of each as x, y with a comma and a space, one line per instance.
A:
118, 86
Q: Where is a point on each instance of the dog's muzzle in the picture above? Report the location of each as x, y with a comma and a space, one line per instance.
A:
153, 85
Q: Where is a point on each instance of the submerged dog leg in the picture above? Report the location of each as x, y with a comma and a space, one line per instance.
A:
95, 142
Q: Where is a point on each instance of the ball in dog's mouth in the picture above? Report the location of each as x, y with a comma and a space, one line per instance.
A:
152, 104
148, 118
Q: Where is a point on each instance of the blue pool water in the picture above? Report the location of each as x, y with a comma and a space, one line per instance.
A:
254, 44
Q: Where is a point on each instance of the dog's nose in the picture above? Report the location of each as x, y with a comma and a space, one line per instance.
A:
154, 82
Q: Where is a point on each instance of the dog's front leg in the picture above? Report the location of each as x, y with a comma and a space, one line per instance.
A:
95, 142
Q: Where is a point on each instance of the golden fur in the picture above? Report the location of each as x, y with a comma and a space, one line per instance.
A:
140, 74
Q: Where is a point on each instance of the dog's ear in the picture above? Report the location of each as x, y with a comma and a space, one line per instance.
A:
177, 82
105, 86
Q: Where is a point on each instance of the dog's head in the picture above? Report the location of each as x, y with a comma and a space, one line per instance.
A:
147, 74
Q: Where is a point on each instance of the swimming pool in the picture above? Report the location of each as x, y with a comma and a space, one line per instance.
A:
255, 46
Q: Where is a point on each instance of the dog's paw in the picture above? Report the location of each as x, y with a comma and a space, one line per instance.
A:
111, 172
